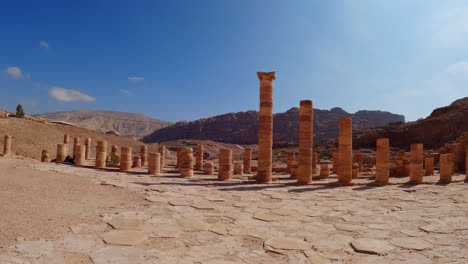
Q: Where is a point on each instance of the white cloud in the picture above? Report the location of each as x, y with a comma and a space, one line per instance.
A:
136, 79
69, 95
125, 91
16, 73
459, 68
44, 44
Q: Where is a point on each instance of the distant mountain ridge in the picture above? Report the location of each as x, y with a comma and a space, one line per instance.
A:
124, 123
242, 127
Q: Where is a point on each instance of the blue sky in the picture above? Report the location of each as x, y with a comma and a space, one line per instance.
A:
184, 60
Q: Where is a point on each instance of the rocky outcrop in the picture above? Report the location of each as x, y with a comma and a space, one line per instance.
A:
242, 127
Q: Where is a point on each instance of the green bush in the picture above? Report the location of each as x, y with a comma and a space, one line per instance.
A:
113, 160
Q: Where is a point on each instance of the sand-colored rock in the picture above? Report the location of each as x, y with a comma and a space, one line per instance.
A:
305, 171
345, 150
208, 168
225, 164
446, 165
126, 223
136, 162
324, 171
382, 167
416, 163
287, 244
429, 166
371, 246
238, 169
7, 146
45, 157
265, 127
294, 169
124, 237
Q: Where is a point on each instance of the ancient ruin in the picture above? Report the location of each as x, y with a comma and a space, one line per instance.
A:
345, 150
225, 164
125, 159
61, 152
247, 158
143, 154
199, 159
154, 163
208, 168
382, 166
305, 142
185, 162
45, 157
88, 148
446, 167
7, 146
80, 154
238, 169
162, 151
416, 163
101, 154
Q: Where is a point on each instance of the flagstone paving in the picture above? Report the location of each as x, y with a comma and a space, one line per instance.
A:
201, 220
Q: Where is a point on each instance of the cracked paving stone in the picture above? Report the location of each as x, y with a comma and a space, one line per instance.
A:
267, 217
124, 237
126, 223
371, 246
411, 243
179, 202
287, 244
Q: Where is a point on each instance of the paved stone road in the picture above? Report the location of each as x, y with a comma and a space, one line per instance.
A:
201, 220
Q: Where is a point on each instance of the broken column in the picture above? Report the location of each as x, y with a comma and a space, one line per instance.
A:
88, 148
45, 157
265, 127
416, 163
114, 149
238, 169
143, 154
186, 162
162, 151
382, 166
154, 163
305, 142
66, 139
358, 156
80, 154
125, 158
314, 162
101, 154
136, 162
208, 168
199, 160
429, 166
294, 169
290, 157
7, 146
247, 159
324, 171
61, 152
225, 167
445, 167
76, 142
345, 150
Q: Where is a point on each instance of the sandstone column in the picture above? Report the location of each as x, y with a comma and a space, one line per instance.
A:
382, 171
429, 166
225, 164
114, 149
154, 163
265, 127
345, 150
247, 159
445, 164
143, 154
125, 158
294, 169
305, 142
45, 156
88, 148
335, 163
358, 159
76, 142
136, 162
7, 146
66, 139
61, 152
199, 160
208, 168
162, 151
101, 154
186, 162
238, 169
80, 154
324, 171
314, 162
416, 163
290, 157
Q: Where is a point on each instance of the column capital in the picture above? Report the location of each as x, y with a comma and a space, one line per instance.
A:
266, 76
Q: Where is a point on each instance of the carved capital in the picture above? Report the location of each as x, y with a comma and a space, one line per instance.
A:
266, 76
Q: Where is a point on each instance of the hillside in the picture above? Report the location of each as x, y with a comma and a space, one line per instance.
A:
444, 125
123, 123
242, 127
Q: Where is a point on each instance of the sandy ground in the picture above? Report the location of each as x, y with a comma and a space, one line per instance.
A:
202, 220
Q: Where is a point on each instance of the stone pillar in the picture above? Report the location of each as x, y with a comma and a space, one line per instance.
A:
382, 167
101, 154
186, 162
76, 142
238, 169
324, 171
7, 146
125, 158
355, 170
143, 154
290, 157
429, 166
162, 151
45, 156
314, 162
88, 148
80, 154
247, 159
265, 127
294, 169
66, 139
154, 163
416, 163
136, 162
61, 152
305, 142
208, 168
445, 165
358, 156
225, 164
345, 150
335, 163
199, 160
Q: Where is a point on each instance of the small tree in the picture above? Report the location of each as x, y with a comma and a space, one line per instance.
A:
19, 111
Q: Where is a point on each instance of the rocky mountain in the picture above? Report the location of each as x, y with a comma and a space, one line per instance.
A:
242, 127
444, 125
122, 123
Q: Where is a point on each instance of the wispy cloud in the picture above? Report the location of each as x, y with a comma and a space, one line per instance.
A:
44, 44
459, 68
125, 91
136, 79
16, 73
69, 95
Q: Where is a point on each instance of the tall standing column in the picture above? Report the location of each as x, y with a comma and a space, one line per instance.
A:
80, 154
265, 128
382, 171
305, 142
61, 152
429, 166
162, 151
345, 150
7, 146
76, 142
125, 158
186, 162
66, 139
416, 163
199, 160
143, 154
154, 163
101, 154
225, 164
445, 167
247, 159
88, 148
